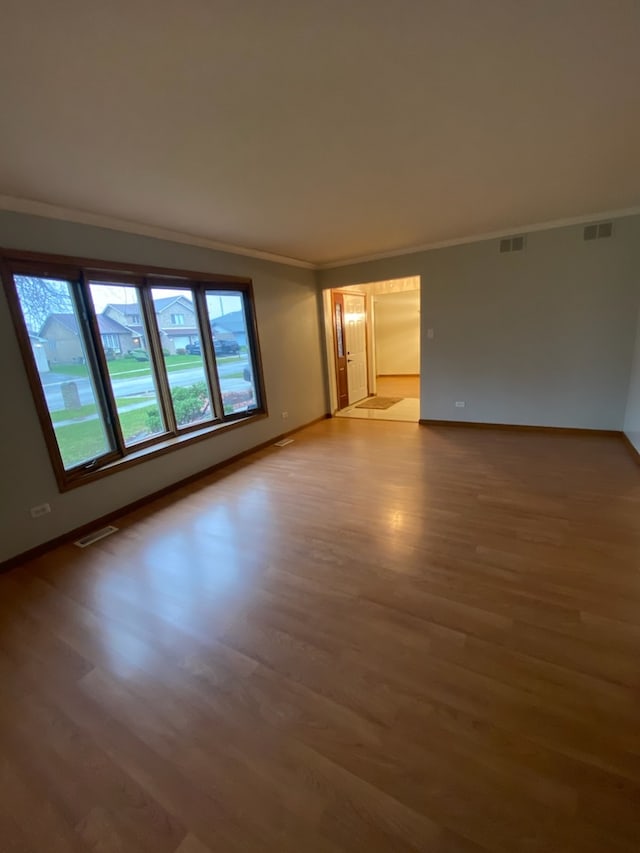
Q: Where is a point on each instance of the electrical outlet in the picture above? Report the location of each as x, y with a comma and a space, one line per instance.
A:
285, 415
41, 509
430, 334
460, 404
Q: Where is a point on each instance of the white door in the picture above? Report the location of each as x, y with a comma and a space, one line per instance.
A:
356, 342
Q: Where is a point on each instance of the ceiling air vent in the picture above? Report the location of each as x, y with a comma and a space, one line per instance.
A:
512, 244
598, 232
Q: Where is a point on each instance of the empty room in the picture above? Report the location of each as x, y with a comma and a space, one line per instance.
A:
320, 493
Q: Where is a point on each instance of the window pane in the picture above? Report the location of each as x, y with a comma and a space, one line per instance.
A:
125, 342
183, 355
59, 350
232, 346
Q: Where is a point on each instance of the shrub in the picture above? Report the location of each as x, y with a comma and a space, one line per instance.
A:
139, 354
181, 351
154, 420
189, 403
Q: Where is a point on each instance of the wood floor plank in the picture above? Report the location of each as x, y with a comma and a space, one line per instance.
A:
191, 844
382, 637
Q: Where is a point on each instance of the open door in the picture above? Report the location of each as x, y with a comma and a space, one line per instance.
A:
340, 349
355, 325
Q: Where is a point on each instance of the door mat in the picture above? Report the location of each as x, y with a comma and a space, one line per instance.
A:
379, 403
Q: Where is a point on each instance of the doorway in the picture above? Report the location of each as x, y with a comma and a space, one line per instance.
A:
373, 346
350, 347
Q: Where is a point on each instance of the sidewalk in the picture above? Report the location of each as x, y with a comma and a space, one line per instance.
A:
94, 417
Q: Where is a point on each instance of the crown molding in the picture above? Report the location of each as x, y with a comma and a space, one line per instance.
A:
67, 214
52, 211
478, 238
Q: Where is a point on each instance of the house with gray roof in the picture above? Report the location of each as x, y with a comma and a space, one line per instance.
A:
176, 319
233, 323
63, 344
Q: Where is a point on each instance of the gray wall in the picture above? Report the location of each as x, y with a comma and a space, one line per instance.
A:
632, 417
543, 337
293, 359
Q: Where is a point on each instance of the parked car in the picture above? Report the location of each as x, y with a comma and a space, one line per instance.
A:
226, 347
223, 347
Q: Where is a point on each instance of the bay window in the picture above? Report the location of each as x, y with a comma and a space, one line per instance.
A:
121, 377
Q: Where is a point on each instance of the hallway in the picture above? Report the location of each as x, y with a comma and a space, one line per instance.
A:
398, 386
407, 388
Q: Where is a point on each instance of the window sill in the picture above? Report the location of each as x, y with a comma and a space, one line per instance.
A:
158, 449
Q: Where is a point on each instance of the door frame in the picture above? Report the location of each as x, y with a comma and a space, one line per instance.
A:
340, 348
339, 294
326, 306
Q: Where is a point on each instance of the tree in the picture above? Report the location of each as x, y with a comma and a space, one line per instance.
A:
40, 297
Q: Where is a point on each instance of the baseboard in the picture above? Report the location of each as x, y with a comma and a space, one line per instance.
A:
632, 448
397, 375
103, 520
520, 427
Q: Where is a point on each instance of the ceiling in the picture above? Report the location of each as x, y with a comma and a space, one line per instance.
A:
323, 130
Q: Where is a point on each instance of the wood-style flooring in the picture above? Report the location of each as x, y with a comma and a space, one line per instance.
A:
379, 638
398, 386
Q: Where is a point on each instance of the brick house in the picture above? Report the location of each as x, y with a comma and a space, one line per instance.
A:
63, 344
175, 316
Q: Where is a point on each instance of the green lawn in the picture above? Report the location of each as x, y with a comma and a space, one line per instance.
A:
83, 440
129, 366
82, 412
70, 369
126, 366
134, 423
90, 409
80, 442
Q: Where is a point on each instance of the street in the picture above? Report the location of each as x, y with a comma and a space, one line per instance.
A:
130, 386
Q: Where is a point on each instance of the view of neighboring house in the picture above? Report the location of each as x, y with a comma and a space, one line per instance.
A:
176, 322
233, 324
129, 316
38, 347
62, 339
122, 329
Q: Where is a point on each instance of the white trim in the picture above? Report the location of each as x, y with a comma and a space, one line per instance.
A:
53, 211
490, 235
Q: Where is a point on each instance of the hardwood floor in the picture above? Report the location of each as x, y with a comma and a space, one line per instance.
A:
396, 638
398, 386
